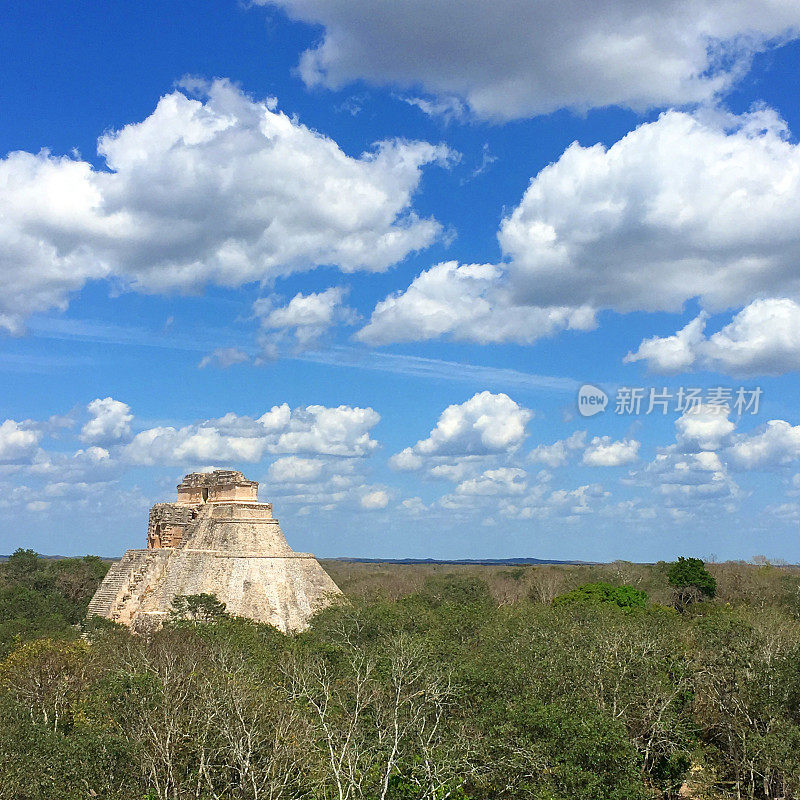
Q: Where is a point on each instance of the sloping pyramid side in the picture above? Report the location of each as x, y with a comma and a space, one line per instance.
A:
235, 551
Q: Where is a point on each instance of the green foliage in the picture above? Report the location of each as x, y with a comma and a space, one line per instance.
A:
546, 750
442, 693
455, 591
23, 567
45, 597
691, 581
203, 607
597, 593
692, 572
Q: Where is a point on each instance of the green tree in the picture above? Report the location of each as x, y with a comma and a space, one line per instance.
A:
552, 752
77, 579
45, 597
691, 582
454, 590
597, 593
25, 568
204, 607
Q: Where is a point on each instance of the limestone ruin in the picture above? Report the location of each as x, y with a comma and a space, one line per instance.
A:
217, 539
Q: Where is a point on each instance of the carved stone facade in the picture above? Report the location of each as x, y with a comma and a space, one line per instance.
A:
168, 523
218, 539
217, 486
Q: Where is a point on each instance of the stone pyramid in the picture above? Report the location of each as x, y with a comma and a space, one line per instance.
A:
217, 538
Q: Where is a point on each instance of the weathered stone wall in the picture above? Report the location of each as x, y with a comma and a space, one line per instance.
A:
233, 528
257, 511
167, 524
216, 486
283, 591
232, 492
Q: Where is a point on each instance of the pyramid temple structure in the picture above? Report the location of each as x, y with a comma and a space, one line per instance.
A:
217, 539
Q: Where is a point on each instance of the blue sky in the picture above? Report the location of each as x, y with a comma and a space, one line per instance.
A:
369, 252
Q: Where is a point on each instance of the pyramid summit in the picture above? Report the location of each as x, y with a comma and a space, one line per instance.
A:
217, 538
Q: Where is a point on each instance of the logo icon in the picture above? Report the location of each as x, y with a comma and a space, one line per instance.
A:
591, 400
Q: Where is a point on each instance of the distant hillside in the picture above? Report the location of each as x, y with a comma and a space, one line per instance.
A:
487, 562
476, 562
105, 559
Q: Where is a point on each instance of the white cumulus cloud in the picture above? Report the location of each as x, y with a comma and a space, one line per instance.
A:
514, 59
110, 422
685, 481
702, 205
468, 303
686, 206
88, 465
703, 427
18, 442
604, 452
295, 470
578, 501
776, 444
762, 339
557, 454
319, 430
483, 425
374, 500
672, 354
305, 318
413, 506
222, 189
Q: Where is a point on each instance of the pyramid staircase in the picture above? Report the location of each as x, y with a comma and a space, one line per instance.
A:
123, 580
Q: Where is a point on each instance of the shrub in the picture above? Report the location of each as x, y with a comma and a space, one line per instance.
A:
598, 593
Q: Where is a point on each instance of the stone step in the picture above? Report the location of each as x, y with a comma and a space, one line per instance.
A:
121, 575
105, 595
123, 584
